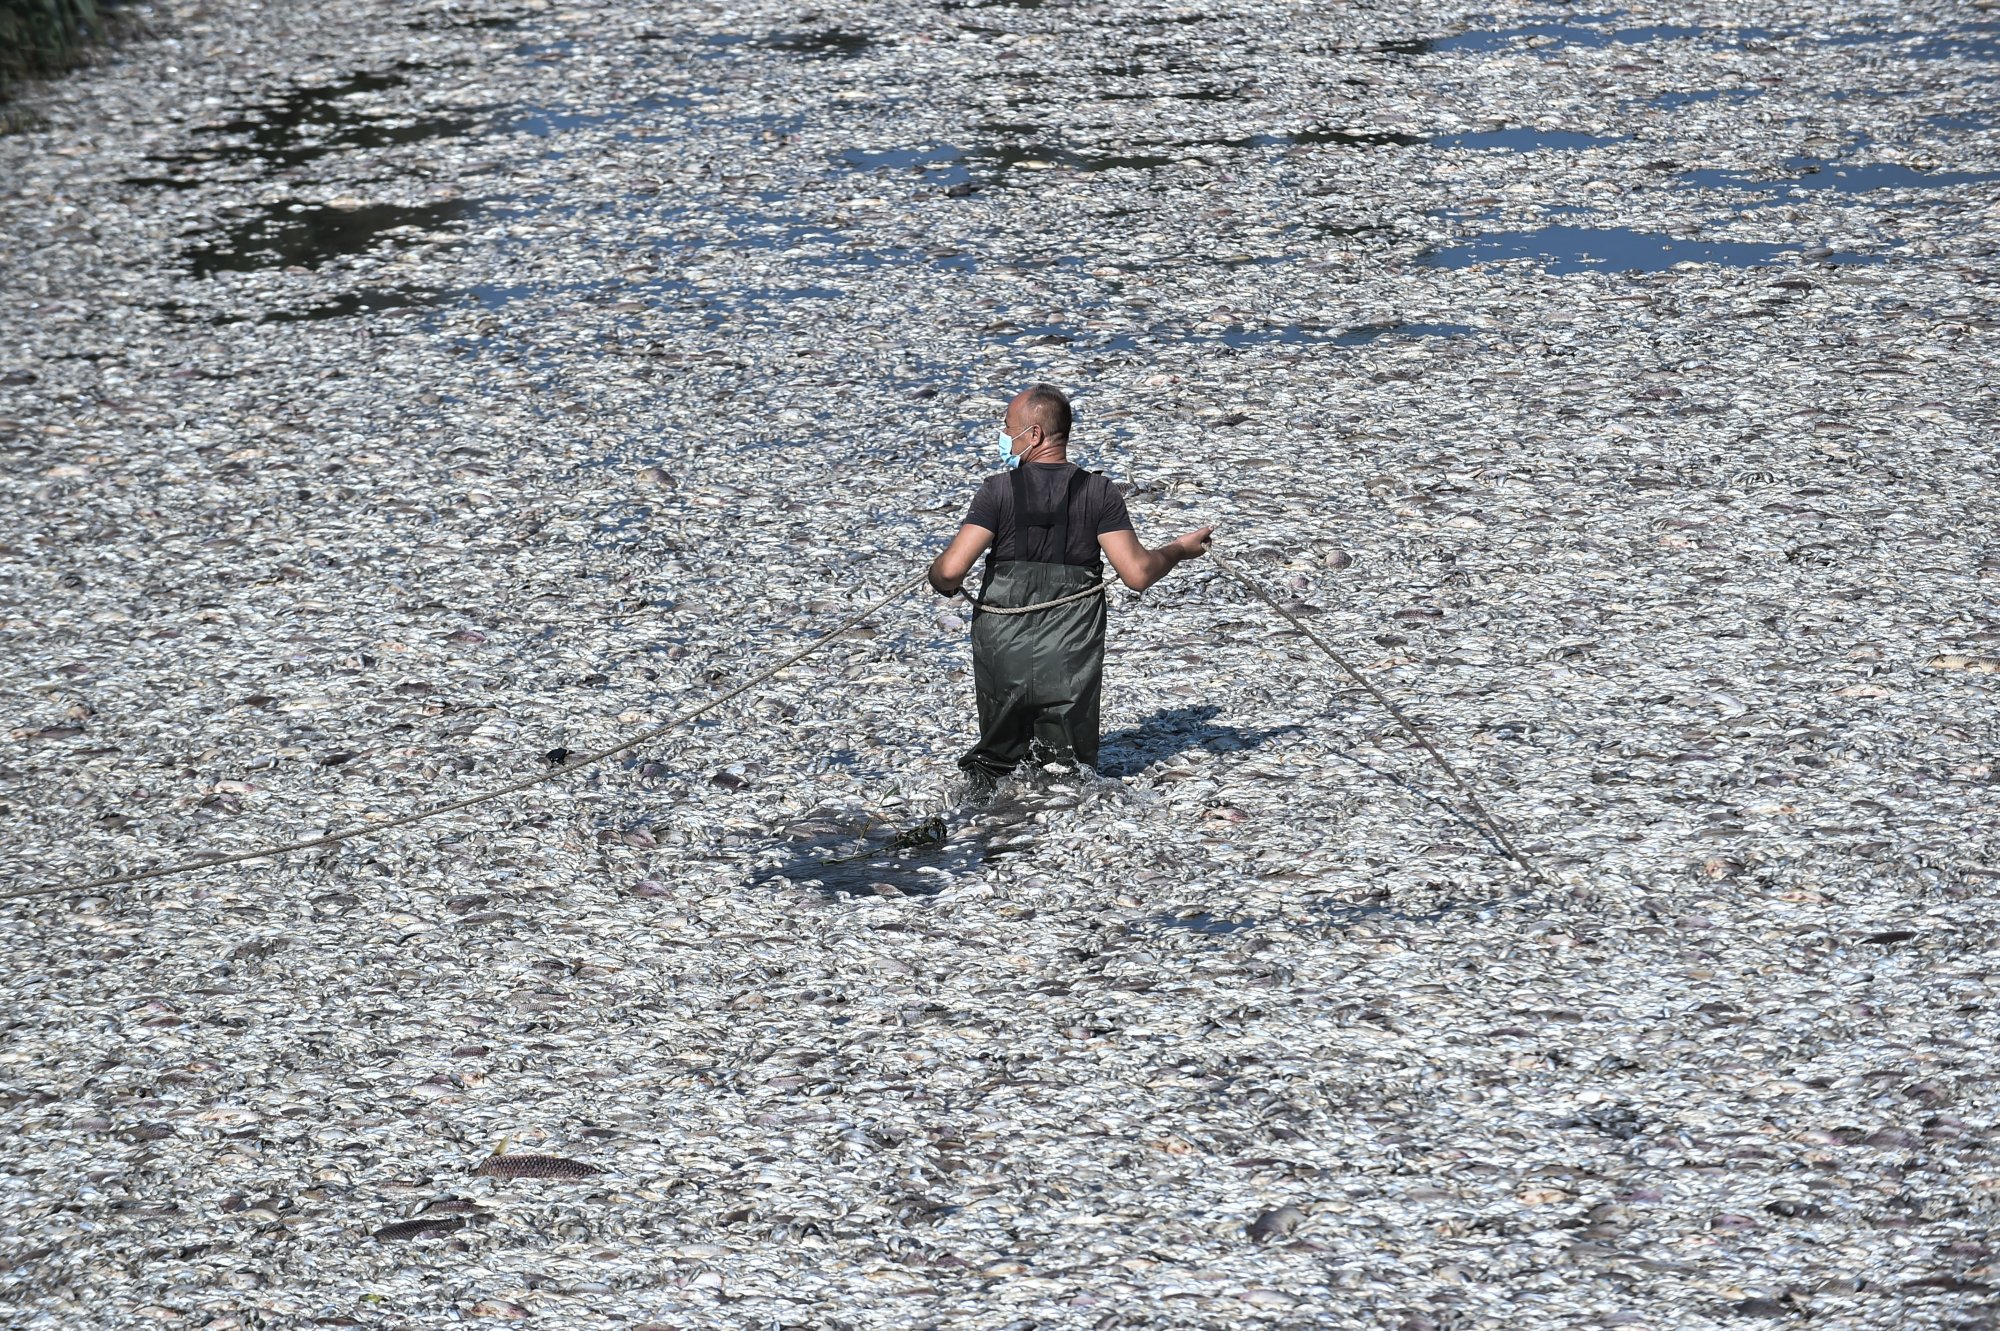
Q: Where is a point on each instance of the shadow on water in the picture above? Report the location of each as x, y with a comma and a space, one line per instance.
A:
1581, 249
841, 856
1173, 731
296, 235
870, 860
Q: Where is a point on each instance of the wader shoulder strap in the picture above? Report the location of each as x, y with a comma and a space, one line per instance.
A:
1057, 518
1062, 522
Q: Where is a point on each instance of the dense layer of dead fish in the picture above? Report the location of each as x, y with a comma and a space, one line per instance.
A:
397, 398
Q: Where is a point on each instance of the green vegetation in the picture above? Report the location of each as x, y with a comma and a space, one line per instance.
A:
44, 36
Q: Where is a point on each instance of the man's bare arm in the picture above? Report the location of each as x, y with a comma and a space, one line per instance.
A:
948, 570
1139, 567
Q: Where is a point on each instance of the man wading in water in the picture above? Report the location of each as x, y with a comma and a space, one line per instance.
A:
1037, 675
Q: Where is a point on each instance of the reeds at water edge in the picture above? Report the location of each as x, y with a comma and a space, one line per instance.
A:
41, 37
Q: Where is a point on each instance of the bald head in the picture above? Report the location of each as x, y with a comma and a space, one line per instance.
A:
1042, 405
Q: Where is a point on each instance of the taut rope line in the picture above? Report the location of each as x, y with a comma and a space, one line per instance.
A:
902, 590
351, 833
1492, 823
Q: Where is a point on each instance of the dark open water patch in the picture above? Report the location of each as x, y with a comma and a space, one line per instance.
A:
1231, 94
1579, 31
446, 19
543, 121
1528, 140
304, 125
1581, 249
823, 43
1812, 175
293, 235
1302, 138
1969, 41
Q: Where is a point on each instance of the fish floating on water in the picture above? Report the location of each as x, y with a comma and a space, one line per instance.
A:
534, 1166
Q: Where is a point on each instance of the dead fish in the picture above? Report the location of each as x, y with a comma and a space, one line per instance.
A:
422, 1227
1978, 665
534, 1166
1275, 1224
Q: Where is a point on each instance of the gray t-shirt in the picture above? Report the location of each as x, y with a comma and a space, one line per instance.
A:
1098, 509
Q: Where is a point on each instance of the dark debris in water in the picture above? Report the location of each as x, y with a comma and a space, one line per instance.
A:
876, 859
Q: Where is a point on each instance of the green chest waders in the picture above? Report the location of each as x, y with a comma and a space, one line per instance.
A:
1037, 675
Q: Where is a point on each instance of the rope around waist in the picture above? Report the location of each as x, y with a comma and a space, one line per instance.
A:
981, 607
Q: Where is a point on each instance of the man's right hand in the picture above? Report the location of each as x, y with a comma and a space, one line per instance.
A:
1194, 544
1139, 567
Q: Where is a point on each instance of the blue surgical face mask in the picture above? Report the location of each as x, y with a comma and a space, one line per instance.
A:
1008, 457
